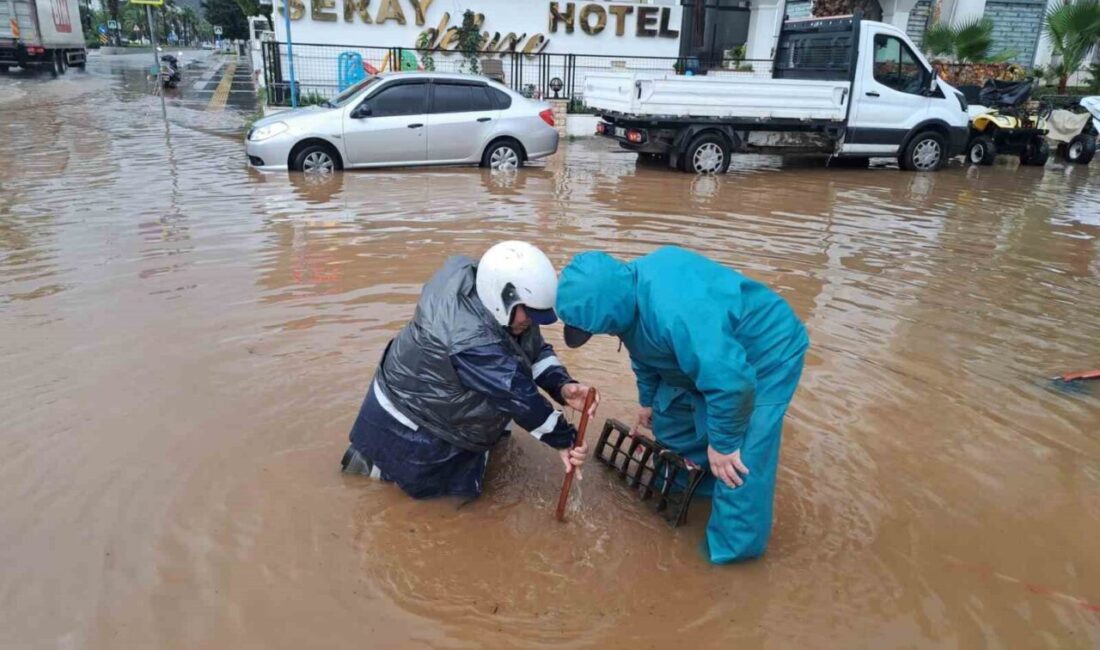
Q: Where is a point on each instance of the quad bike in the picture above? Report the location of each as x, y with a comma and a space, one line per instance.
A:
1001, 125
1076, 133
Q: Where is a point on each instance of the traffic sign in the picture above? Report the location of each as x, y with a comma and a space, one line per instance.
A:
112, 24
102, 29
151, 3
103, 39
217, 30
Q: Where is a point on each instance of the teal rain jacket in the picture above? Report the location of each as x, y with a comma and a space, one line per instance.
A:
718, 356
690, 324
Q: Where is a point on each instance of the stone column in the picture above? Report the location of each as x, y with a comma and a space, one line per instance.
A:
560, 108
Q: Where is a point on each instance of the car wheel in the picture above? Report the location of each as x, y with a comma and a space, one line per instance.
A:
503, 155
708, 153
1080, 149
924, 153
981, 151
315, 159
1036, 153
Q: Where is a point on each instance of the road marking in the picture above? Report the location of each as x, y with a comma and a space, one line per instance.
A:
217, 102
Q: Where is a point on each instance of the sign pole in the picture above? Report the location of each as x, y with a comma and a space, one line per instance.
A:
290, 57
156, 60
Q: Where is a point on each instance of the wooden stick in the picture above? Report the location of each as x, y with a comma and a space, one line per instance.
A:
567, 483
1074, 376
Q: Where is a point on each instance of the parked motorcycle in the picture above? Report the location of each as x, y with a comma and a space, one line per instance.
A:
169, 71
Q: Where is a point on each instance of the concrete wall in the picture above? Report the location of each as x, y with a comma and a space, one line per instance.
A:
799, 9
1016, 26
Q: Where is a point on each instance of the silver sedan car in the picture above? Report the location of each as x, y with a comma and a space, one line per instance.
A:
407, 118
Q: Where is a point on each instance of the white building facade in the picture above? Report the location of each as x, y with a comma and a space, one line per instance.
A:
639, 34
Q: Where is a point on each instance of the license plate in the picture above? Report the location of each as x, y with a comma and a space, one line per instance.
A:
620, 132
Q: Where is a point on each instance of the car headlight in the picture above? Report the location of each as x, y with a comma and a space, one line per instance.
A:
267, 131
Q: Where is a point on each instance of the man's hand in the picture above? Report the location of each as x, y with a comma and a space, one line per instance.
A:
574, 395
643, 421
728, 468
574, 458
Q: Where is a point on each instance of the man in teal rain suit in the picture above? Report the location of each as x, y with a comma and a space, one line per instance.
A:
717, 358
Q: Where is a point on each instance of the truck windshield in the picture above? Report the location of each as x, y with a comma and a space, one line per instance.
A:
346, 96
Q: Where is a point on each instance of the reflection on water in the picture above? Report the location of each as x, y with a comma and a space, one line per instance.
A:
185, 344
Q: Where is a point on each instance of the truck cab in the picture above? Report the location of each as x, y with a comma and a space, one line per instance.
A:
896, 94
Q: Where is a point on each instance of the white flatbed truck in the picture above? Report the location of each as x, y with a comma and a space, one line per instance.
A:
842, 87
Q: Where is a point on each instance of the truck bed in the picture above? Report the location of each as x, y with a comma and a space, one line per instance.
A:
717, 95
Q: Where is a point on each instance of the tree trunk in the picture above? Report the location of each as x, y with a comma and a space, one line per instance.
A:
1063, 82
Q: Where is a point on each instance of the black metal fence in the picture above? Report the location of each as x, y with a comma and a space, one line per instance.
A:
317, 68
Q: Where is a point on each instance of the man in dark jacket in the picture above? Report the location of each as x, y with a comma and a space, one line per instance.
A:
471, 360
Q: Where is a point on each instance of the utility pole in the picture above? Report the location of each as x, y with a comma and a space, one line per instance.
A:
156, 61
290, 56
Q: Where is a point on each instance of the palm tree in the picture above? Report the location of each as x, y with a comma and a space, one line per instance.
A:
190, 21
1073, 29
966, 42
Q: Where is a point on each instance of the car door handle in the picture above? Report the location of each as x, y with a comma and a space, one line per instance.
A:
872, 94
484, 119
415, 126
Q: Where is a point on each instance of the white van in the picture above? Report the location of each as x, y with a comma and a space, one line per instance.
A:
844, 87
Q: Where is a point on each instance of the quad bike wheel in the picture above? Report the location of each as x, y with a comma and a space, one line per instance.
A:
1080, 149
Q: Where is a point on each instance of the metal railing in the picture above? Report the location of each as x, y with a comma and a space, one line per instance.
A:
542, 75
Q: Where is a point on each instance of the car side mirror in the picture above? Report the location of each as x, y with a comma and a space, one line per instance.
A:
361, 111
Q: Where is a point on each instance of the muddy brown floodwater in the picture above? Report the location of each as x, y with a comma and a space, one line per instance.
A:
184, 345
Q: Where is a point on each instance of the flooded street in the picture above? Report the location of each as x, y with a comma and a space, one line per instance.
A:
185, 344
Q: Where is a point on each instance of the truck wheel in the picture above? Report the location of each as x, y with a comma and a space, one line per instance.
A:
1036, 153
981, 151
51, 65
62, 64
1080, 149
3, 69
924, 153
708, 153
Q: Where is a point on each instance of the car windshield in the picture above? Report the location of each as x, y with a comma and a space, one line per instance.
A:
346, 96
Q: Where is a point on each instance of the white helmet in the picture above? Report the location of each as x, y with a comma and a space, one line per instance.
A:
516, 273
